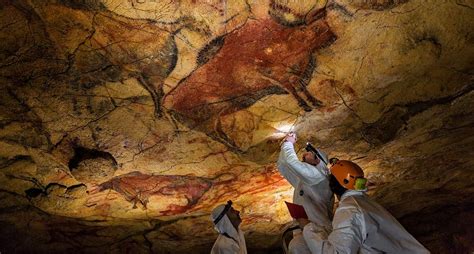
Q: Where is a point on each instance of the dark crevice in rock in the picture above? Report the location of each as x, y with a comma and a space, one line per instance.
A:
32, 180
40, 190
76, 186
418, 107
386, 128
33, 192
82, 153
4, 196
6, 162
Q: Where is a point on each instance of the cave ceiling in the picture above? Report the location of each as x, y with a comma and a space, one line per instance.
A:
124, 122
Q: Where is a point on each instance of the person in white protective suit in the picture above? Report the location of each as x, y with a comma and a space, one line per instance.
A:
226, 222
360, 225
310, 179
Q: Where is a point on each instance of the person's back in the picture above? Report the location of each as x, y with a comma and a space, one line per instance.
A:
360, 225
378, 231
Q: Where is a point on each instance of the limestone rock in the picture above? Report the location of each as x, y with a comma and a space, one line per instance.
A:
124, 122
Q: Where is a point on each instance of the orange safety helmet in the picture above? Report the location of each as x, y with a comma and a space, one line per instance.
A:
348, 174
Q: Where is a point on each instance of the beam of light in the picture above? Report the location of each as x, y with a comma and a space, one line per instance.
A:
283, 128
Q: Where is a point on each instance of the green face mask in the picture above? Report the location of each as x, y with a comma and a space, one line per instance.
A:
360, 184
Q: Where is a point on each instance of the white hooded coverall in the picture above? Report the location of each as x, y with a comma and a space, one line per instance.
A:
312, 191
230, 240
361, 225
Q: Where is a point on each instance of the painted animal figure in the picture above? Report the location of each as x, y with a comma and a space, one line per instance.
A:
263, 57
137, 187
140, 49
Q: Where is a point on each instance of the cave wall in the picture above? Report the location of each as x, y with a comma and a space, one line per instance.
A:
123, 123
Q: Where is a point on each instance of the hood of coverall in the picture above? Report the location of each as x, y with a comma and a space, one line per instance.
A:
224, 226
322, 165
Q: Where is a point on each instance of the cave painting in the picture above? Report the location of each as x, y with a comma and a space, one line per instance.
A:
114, 47
141, 49
260, 58
137, 187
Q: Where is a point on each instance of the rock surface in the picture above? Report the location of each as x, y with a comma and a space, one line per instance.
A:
124, 122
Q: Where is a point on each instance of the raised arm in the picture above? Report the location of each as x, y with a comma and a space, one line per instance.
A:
290, 167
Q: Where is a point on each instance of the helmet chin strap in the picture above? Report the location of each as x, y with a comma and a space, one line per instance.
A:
335, 187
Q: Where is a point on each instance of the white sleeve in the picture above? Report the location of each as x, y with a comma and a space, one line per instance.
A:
345, 238
292, 168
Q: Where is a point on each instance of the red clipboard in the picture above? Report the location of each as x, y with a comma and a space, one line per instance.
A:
296, 211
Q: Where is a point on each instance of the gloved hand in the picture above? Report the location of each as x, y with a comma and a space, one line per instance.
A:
291, 137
